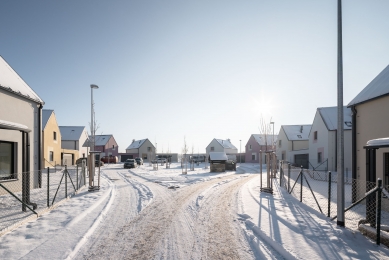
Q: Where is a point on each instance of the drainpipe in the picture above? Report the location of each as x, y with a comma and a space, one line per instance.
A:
354, 152
40, 146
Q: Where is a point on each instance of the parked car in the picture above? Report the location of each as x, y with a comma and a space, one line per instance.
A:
159, 160
130, 163
139, 161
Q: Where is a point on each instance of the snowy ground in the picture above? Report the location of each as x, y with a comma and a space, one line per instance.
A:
146, 214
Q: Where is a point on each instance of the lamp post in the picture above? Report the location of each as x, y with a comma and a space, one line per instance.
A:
240, 153
340, 134
92, 126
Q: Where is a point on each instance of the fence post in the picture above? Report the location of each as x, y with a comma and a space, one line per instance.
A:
329, 193
301, 184
48, 187
378, 219
288, 177
77, 176
281, 173
66, 181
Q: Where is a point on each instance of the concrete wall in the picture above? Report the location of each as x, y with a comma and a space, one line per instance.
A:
22, 111
372, 123
49, 144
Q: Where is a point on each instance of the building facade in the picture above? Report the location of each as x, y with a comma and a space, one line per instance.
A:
51, 139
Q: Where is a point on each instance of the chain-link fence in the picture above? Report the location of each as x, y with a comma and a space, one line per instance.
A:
32, 193
318, 189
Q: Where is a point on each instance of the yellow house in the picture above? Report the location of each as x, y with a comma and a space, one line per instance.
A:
370, 120
51, 139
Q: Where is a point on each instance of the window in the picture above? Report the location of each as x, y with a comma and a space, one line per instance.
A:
315, 135
55, 136
254, 156
51, 156
319, 157
149, 149
279, 143
6, 160
250, 147
212, 149
299, 136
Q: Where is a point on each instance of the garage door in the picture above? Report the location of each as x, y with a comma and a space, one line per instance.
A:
123, 158
302, 160
67, 159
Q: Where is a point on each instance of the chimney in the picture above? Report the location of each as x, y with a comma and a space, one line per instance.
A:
229, 140
301, 129
133, 140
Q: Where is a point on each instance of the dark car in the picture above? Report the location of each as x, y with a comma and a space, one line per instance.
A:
139, 161
130, 163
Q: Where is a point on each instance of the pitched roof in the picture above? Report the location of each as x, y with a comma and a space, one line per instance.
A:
136, 144
330, 117
71, 133
297, 132
102, 139
226, 143
378, 87
260, 138
46, 114
10, 81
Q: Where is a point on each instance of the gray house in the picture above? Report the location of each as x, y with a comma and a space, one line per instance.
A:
20, 129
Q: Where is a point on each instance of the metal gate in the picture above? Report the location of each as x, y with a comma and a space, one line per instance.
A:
302, 160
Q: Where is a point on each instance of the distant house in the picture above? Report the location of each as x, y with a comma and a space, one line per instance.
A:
107, 145
51, 141
20, 130
293, 144
139, 148
370, 120
323, 139
72, 140
220, 145
257, 143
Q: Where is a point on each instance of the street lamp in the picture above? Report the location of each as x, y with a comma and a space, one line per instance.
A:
92, 86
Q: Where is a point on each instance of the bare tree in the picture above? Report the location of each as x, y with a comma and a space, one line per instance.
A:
265, 130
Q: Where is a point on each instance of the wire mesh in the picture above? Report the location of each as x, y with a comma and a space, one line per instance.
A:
318, 189
33, 192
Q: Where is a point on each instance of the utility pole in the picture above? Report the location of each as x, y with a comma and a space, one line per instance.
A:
340, 134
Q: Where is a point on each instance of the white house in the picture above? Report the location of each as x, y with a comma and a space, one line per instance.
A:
139, 148
323, 139
220, 145
293, 144
73, 138
20, 130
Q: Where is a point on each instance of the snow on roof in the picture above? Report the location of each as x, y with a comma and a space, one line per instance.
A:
46, 114
136, 144
330, 117
226, 143
13, 126
381, 142
102, 139
260, 139
12, 82
379, 86
218, 156
71, 133
297, 132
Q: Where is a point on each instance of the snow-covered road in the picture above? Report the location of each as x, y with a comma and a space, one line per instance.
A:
196, 221
147, 214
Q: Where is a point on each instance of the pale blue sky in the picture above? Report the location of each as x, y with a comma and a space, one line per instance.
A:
200, 69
